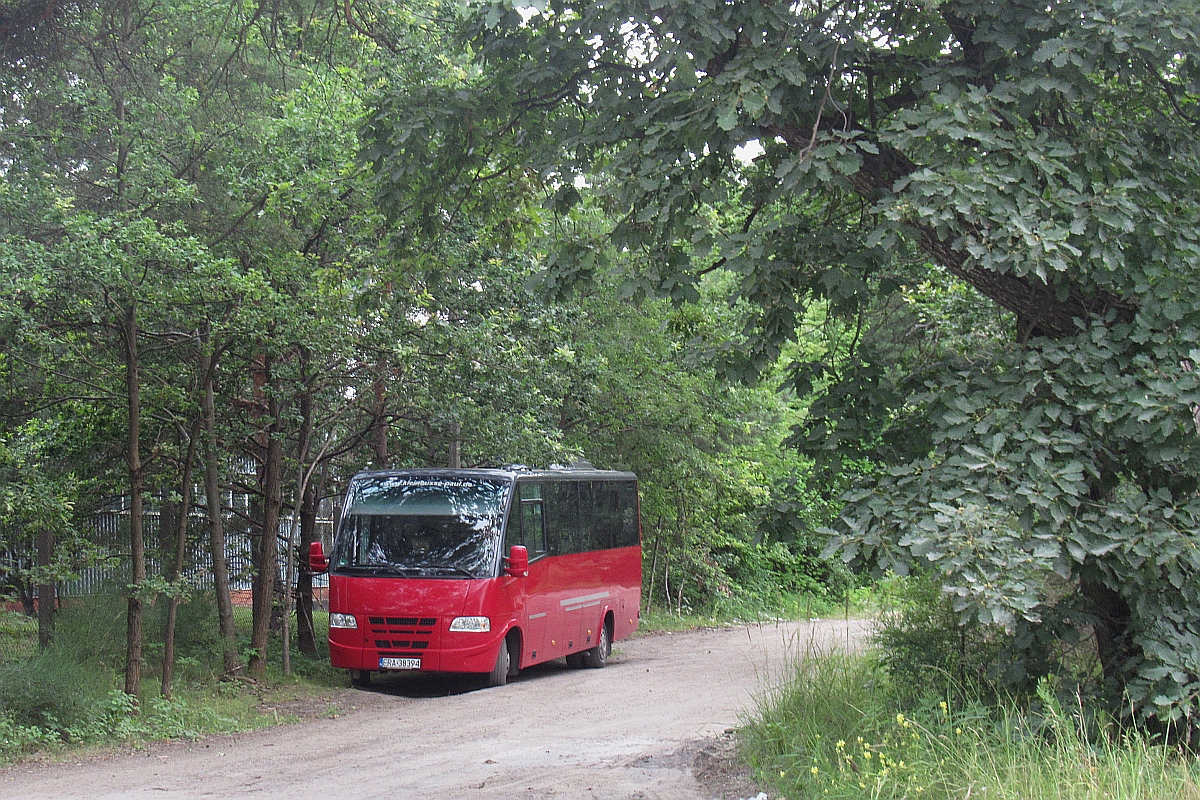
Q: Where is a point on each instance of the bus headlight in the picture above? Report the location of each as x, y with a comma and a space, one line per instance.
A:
342, 621
473, 624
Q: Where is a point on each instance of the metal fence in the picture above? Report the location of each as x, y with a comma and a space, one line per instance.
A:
112, 530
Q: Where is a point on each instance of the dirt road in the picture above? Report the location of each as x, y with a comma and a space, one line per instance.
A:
633, 730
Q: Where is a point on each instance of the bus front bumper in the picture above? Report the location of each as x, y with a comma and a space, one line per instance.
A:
472, 655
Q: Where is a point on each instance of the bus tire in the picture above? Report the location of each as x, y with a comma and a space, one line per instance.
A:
597, 657
360, 678
499, 674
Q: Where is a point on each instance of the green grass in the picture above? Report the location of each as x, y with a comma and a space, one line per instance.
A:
70, 696
789, 607
18, 636
836, 731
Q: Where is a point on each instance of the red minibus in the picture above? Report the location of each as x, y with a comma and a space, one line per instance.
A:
486, 571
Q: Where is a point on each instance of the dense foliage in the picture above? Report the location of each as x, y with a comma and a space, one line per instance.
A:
947, 250
212, 314
1041, 154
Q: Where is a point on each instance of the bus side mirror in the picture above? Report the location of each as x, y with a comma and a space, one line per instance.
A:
517, 563
317, 562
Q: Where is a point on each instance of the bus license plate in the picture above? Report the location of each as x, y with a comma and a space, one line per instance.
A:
399, 663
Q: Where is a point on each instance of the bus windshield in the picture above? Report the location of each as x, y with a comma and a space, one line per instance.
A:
414, 526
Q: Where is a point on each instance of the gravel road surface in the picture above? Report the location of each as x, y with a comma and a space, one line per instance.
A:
653, 725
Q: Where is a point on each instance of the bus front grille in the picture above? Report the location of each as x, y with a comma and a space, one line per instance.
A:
401, 643
386, 633
404, 622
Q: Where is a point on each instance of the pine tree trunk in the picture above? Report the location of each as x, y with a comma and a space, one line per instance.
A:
216, 520
46, 595
380, 438
306, 636
184, 511
137, 548
267, 544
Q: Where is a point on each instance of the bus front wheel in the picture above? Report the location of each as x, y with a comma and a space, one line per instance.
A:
597, 657
500, 673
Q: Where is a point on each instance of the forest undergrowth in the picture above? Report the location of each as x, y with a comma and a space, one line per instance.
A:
69, 695
924, 712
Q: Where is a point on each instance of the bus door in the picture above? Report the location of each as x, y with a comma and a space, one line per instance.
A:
538, 599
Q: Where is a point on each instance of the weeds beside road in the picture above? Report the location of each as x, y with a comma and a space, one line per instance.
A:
838, 730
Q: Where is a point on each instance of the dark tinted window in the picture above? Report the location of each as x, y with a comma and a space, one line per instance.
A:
526, 520
606, 518
533, 527
585, 537
512, 527
627, 535
587, 515
562, 517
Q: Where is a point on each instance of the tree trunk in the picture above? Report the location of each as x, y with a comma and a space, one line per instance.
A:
267, 545
430, 444
454, 460
46, 589
306, 636
137, 548
28, 595
381, 426
1111, 618
305, 520
302, 447
216, 521
184, 511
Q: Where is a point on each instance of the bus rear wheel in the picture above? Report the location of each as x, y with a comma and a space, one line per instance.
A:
597, 657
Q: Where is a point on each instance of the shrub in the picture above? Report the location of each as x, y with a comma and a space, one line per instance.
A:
92, 631
51, 691
928, 649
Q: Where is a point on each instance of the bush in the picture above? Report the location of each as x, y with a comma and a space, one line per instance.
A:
92, 631
51, 691
929, 650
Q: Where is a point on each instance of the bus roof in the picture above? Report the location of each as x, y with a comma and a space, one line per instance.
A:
508, 473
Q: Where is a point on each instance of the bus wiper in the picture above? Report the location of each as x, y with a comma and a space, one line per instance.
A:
379, 569
456, 570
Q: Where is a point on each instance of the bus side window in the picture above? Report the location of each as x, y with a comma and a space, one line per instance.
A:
627, 534
512, 529
585, 531
533, 527
607, 519
562, 517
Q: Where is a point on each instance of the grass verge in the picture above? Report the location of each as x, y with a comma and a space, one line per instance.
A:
837, 731
791, 607
69, 696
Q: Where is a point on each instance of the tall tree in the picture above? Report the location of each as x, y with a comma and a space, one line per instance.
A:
1043, 154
